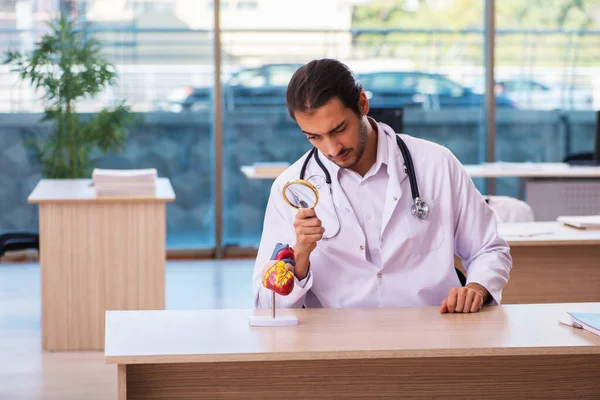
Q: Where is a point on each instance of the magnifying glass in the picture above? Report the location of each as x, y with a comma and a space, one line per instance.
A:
299, 193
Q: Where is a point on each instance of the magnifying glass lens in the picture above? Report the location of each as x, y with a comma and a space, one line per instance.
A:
300, 194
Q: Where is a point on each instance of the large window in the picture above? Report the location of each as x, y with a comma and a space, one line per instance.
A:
165, 73
424, 57
407, 55
547, 57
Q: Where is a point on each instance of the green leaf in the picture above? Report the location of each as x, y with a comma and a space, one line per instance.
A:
66, 64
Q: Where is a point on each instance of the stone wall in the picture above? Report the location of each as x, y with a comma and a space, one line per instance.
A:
180, 146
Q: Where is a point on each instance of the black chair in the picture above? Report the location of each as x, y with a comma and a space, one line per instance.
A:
461, 277
391, 116
16, 241
584, 158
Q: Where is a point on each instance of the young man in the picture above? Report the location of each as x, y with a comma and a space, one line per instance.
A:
362, 246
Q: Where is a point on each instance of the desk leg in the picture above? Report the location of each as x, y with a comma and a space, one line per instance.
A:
122, 381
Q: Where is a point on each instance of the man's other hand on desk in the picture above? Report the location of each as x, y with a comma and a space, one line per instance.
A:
466, 299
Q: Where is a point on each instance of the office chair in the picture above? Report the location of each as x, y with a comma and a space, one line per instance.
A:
15, 241
586, 158
589, 157
391, 116
461, 277
508, 209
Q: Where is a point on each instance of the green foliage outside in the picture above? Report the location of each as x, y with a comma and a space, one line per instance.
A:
67, 66
512, 48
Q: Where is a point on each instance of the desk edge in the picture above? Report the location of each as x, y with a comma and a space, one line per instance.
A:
348, 355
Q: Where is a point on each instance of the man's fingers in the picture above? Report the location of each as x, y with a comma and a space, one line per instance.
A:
444, 306
310, 222
469, 301
310, 239
460, 301
306, 213
312, 230
307, 222
452, 297
477, 302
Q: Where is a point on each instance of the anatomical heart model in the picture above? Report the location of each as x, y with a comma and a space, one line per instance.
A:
278, 277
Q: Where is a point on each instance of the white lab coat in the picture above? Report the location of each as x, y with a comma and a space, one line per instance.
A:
417, 255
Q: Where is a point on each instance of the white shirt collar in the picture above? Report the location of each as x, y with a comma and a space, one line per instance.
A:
382, 157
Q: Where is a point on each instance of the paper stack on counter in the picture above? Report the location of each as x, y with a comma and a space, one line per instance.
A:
269, 168
581, 221
125, 182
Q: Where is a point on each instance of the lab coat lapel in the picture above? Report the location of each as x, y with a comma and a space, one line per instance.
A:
397, 175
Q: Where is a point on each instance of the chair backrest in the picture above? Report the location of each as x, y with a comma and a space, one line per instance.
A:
509, 209
16, 241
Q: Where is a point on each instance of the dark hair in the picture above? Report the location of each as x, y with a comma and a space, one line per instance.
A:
317, 82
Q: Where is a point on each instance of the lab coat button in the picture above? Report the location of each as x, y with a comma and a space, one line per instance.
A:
347, 209
379, 275
362, 247
395, 198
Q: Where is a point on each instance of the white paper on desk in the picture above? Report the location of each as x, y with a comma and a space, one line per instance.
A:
581, 221
268, 164
566, 319
527, 165
124, 175
522, 231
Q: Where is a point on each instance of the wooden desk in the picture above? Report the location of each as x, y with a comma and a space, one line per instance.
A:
532, 170
512, 351
97, 254
566, 185
487, 170
551, 263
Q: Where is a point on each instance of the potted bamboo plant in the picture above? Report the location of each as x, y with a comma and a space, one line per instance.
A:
67, 66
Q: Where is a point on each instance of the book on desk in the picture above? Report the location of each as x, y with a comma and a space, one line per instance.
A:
588, 321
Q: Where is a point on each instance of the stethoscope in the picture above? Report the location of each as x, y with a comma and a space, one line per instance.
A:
420, 209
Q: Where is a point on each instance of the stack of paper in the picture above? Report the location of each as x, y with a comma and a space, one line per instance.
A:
269, 168
581, 221
125, 182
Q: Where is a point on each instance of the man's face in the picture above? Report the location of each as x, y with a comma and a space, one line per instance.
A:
336, 131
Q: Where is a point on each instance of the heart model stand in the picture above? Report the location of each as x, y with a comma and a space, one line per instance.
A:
279, 280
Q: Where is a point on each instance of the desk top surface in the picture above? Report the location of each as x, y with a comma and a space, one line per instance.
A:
487, 170
532, 170
82, 190
172, 336
547, 234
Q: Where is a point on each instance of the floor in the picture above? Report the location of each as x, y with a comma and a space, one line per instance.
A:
28, 373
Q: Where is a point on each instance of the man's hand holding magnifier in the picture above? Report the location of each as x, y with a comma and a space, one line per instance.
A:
309, 231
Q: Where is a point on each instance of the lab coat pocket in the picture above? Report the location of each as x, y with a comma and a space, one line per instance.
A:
426, 234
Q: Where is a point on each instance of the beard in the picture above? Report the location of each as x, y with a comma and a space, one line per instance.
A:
360, 148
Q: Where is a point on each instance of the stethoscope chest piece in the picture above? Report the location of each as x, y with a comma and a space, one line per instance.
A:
419, 208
